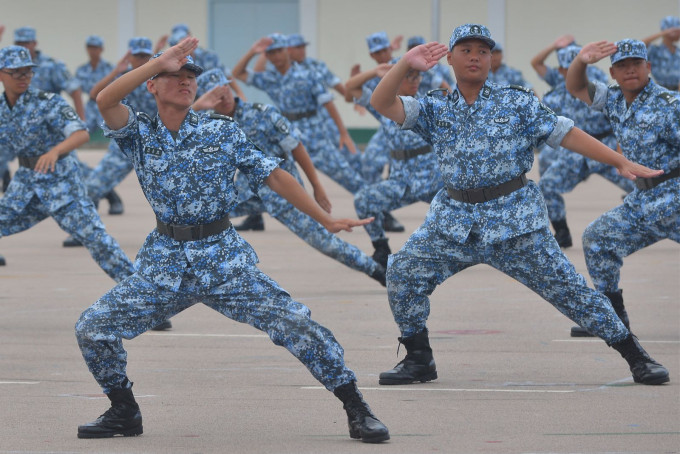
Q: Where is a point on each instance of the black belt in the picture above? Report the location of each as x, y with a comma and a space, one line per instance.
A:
298, 116
192, 232
602, 135
31, 161
649, 183
485, 194
402, 155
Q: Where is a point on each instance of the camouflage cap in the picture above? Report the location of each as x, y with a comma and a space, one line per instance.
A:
279, 41
566, 55
24, 35
629, 48
140, 45
94, 41
414, 41
670, 22
471, 31
497, 47
180, 27
209, 80
15, 57
296, 40
377, 41
190, 65
177, 36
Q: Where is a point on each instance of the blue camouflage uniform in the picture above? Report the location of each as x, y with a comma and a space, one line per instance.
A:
489, 144
189, 181
570, 168
666, 64
414, 173
33, 126
88, 77
648, 134
375, 155
272, 133
115, 166
300, 94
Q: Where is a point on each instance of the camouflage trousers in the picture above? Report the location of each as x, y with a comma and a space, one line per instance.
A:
429, 257
247, 296
388, 195
374, 158
617, 234
110, 171
306, 228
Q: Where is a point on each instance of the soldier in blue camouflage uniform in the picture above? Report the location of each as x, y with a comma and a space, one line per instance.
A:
645, 119
88, 75
414, 171
503, 74
484, 135
185, 163
272, 133
300, 94
665, 57
42, 130
568, 168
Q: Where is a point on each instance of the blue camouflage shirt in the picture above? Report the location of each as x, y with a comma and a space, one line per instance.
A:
53, 76
553, 77
329, 79
87, 78
648, 134
665, 65
141, 100
506, 75
188, 181
482, 145
36, 123
563, 103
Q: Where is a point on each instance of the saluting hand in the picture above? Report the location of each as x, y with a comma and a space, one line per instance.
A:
174, 58
425, 56
261, 45
594, 52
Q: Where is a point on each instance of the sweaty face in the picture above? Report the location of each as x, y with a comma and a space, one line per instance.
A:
176, 88
632, 74
471, 61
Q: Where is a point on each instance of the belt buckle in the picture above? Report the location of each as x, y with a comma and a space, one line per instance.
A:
182, 232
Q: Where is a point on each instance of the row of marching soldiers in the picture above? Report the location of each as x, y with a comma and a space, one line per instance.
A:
463, 146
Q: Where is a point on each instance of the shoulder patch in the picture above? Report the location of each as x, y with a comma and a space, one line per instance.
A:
259, 106
68, 113
520, 87
282, 125
438, 91
546, 108
45, 95
669, 97
216, 116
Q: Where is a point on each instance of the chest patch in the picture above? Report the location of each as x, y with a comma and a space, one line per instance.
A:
153, 151
210, 149
501, 120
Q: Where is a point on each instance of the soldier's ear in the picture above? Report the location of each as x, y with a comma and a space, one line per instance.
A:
151, 86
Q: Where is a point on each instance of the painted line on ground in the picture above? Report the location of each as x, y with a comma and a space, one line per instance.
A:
463, 390
149, 333
19, 382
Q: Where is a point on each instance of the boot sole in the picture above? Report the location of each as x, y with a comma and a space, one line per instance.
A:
125, 433
395, 381
653, 380
356, 435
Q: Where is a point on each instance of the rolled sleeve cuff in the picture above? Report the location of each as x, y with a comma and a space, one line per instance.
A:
289, 143
73, 127
411, 111
365, 99
563, 126
250, 76
600, 98
324, 98
122, 132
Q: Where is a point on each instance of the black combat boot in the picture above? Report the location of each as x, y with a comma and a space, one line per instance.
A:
6, 178
70, 241
379, 274
616, 298
562, 234
645, 370
390, 224
162, 326
253, 222
382, 251
418, 365
115, 203
123, 418
2, 261
361, 421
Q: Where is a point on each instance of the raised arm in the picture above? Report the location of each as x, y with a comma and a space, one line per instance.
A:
538, 62
356, 82
122, 66
115, 114
240, 70
577, 80
422, 58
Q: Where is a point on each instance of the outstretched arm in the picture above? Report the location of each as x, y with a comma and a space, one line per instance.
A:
109, 99
422, 58
356, 82
122, 66
302, 158
345, 139
577, 80
286, 186
47, 162
582, 143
